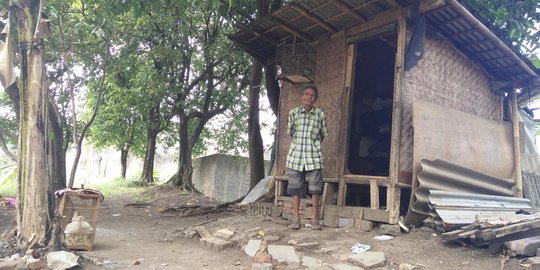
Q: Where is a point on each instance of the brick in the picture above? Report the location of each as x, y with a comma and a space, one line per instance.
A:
203, 232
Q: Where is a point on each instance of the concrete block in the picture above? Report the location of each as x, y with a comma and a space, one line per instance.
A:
346, 267
390, 229
534, 262
252, 247
364, 225
311, 262
203, 232
214, 243
261, 266
538, 252
330, 221
346, 222
283, 253
525, 246
276, 211
368, 259
225, 234
311, 245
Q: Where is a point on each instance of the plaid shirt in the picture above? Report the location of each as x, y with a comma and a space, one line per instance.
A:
307, 130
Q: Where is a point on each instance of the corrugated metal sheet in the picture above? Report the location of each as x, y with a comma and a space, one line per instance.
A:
309, 20
451, 210
443, 175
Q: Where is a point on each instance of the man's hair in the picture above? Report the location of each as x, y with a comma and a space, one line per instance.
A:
314, 89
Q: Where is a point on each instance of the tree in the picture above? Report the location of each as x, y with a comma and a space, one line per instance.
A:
517, 19
27, 28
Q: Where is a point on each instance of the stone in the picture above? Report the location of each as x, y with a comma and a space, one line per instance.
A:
215, 243
368, 259
261, 266
35, 264
61, 260
262, 257
225, 234
203, 232
390, 229
346, 222
311, 245
283, 253
347, 267
189, 233
534, 262
311, 262
11, 265
406, 266
364, 225
252, 247
271, 238
526, 246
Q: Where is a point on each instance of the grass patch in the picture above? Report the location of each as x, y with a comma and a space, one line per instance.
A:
117, 186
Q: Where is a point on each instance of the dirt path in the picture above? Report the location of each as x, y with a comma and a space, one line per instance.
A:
126, 234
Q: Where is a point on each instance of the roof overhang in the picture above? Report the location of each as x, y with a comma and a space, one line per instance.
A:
310, 20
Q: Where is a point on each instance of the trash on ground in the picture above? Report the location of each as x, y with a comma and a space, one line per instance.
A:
359, 248
383, 237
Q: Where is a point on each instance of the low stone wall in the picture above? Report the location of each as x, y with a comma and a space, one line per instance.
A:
224, 178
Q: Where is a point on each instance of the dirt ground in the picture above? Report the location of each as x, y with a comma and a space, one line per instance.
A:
156, 240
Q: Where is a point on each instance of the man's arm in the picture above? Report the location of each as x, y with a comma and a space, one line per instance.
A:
290, 124
324, 128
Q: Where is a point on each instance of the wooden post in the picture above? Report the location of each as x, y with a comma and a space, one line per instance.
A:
392, 203
397, 99
374, 194
517, 150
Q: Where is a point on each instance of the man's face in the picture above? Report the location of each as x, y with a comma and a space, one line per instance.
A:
309, 97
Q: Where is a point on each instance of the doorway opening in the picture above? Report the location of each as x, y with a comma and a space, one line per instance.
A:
371, 108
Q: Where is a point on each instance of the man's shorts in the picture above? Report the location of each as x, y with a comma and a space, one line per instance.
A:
297, 180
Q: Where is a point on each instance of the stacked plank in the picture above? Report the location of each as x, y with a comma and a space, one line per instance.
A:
496, 230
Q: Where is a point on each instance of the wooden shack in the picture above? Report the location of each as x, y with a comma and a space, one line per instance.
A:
374, 62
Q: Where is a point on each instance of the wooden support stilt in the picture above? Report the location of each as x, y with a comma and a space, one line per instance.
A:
374, 194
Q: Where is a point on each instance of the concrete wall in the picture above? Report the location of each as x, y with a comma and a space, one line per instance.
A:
224, 178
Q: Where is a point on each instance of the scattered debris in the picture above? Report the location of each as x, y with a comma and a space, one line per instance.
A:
496, 230
368, 259
359, 248
383, 237
283, 253
225, 234
60, 260
253, 247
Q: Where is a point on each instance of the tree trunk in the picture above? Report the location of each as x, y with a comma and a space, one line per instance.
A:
256, 150
33, 190
185, 162
123, 160
147, 175
272, 87
57, 158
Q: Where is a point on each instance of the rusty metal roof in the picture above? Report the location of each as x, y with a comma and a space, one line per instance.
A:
443, 175
451, 210
308, 20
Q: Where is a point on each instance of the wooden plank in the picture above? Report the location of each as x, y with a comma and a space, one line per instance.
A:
351, 51
517, 150
397, 100
374, 194
377, 21
350, 211
346, 8
375, 215
393, 195
342, 192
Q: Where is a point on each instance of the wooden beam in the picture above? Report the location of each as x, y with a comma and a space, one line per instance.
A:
292, 31
393, 3
393, 195
517, 149
346, 8
384, 18
374, 194
312, 17
257, 34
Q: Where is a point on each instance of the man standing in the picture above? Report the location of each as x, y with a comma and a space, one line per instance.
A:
307, 127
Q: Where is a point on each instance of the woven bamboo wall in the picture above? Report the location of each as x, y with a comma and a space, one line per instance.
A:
329, 78
447, 78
